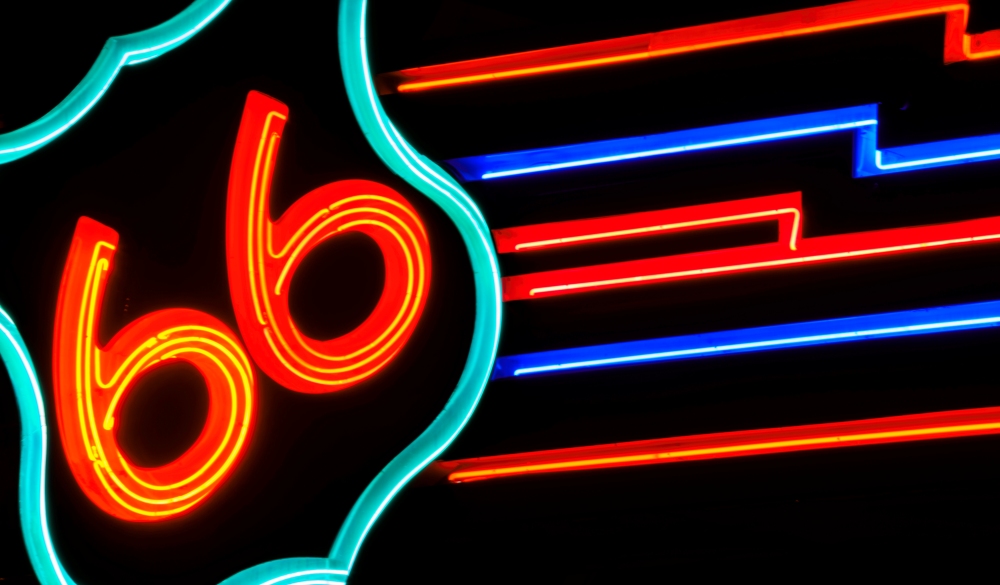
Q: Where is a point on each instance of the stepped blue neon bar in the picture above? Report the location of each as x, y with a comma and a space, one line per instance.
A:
879, 326
861, 120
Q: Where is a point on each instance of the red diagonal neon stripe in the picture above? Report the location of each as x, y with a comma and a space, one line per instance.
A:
958, 45
918, 427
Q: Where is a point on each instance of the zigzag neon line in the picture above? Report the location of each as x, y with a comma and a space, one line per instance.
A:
958, 45
791, 249
630, 353
118, 52
868, 159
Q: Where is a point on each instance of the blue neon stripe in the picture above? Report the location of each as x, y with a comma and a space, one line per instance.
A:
880, 326
862, 120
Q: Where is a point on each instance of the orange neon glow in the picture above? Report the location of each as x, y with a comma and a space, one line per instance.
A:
938, 425
791, 249
958, 45
263, 255
92, 381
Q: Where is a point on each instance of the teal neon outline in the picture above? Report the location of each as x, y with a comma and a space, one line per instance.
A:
34, 448
402, 159
117, 53
428, 178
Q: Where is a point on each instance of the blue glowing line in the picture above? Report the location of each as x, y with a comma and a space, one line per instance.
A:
118, 52
689, 148
879, 326
862, 120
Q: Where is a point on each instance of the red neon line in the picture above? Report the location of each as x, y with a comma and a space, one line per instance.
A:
916, 427
958, 45
790, 250
785, 208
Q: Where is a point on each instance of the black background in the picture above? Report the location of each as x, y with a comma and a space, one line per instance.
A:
151, 160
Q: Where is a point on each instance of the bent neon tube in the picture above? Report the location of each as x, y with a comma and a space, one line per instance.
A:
897, 429
791, 249
118, 52
868, 159
958, 45
867, 327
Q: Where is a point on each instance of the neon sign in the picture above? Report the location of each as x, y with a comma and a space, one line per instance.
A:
263, 257
958, 45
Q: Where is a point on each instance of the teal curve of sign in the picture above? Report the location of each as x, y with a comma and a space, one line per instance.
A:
402, 159
117, 53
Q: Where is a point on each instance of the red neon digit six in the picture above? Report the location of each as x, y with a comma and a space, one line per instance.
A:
263, 256
91, 382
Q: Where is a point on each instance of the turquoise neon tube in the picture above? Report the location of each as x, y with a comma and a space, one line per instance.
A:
118, 52
433, 182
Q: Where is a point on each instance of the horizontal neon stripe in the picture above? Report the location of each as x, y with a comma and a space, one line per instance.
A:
868, 160
809, 333
938, 425
958, 46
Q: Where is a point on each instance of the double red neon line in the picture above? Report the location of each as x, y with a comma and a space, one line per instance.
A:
958, 45
938, 425
790, 249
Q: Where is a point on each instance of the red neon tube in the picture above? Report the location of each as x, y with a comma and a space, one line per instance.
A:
92, 381
958, 45
916, 427
790, 250
263, 255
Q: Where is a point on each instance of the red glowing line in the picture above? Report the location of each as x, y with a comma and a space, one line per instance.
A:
91, 381
958, 45
785, 208
918, 427
263, 255
791, 249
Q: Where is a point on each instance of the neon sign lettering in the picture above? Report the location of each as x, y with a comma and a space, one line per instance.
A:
790, 250
958, 45
263, 256
420, 172
92, 381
